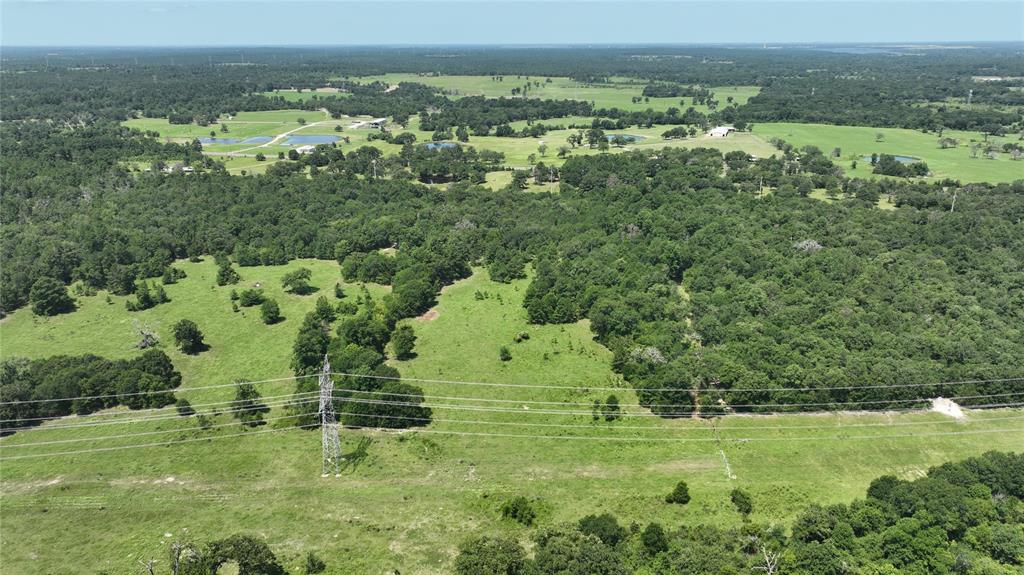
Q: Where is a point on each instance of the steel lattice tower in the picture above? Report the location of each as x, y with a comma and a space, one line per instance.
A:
331, 445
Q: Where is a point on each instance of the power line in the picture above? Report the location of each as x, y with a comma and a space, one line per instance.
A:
639, 405
163, 417
134, 412
533, 436
628, 388
703, 427
523, 385
159, 444
144, 433
136, 393
624, 414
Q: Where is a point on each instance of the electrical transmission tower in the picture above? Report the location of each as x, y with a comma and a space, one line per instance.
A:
331, 445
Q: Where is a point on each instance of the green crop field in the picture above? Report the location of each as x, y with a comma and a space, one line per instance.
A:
856, 142
405, 499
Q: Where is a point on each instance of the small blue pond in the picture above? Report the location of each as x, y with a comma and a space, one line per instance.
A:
627, 137
900, 159
300, 140
440, 145
205, 141
257, 140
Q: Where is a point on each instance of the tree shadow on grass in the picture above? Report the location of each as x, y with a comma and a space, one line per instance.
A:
352, 460
197, 349
305, 290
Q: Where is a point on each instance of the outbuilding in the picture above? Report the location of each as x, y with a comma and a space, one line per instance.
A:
721, 131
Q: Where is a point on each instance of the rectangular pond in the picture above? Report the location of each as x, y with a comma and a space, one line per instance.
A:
305, 140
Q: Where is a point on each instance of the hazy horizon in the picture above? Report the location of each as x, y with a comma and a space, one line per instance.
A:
519, 23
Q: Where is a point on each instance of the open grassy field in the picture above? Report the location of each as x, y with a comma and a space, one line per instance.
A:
618, 93
856, 142
107, 329
405, 500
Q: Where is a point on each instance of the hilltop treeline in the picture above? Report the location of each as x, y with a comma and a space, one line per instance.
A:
964, 517
781, 292
33, 391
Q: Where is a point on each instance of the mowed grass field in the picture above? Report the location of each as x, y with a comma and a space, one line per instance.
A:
405, 499
856, 142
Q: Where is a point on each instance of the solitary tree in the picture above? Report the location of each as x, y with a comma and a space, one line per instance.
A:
270, 311
403, 339
49, 297
187, 336
297, 281
741, 500
247, 407
679, 495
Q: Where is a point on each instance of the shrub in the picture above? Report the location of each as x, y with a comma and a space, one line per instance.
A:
490, 556
346, 308
403, 339
250, 297
504, 354
605, 527
679, 495
519, 510
741, 500
314, 564
654, 539
521, 337
184, 408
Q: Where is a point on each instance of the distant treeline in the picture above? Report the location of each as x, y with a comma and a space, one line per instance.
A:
885, 89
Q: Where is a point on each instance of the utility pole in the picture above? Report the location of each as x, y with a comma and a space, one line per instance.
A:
330, 444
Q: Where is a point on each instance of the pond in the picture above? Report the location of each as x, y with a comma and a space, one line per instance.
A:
257, 140
900, 159
205, 141
628, 137
300, 140
440, 145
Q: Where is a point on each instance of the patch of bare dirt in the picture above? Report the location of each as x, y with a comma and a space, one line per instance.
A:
430, 315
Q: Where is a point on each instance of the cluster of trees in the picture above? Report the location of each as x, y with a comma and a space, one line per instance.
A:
480, 115
368, 393
882, 100
33, 391
965, 517
667, 90
888, 165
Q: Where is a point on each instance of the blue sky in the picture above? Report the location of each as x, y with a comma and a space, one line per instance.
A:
348, 22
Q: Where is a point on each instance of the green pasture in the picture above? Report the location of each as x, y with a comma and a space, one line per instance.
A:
241, 346
615, 94
405, 499
856, 142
